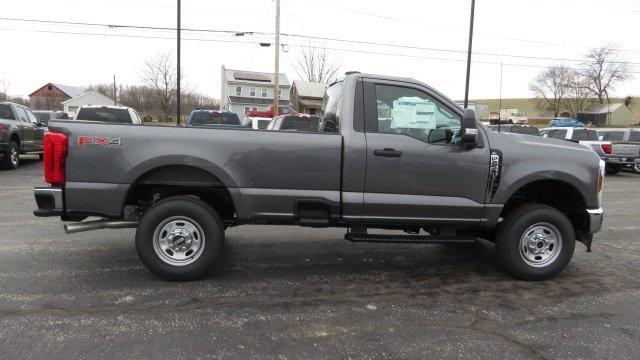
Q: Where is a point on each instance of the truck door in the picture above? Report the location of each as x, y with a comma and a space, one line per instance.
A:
27, 129
38, 131
416, 170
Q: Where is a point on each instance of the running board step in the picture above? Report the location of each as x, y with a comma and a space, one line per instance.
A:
408, 239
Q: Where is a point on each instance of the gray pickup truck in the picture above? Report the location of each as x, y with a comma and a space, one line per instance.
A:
391, 153
20, 133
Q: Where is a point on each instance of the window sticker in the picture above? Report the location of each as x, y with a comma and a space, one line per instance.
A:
413, 113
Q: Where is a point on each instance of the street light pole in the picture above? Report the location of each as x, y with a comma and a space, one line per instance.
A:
276, 75
178, 76
466, 88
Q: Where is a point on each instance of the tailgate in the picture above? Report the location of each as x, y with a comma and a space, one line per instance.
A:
625, 149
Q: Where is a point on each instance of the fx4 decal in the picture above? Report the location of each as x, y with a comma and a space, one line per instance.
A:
112, 142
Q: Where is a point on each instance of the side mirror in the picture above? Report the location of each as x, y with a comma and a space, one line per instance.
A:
469, 130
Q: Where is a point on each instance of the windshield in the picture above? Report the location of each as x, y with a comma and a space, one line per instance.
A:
584, 134
104, 114
330, 109
298, 123
213, 118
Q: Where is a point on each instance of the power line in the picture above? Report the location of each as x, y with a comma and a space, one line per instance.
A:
292, 44
360, 42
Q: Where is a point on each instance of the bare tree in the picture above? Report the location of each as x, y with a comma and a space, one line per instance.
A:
578, 97
160, 74
4, 89
315, 65
551, 87
604, 69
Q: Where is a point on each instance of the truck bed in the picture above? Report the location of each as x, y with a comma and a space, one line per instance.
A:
257, 167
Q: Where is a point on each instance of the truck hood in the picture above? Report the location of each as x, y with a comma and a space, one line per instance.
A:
538, 141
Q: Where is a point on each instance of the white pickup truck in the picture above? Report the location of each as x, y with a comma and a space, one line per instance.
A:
615, 155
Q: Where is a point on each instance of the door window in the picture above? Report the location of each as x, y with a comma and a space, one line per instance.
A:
411, 112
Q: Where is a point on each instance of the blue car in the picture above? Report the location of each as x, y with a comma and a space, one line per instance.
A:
565, 122
214, 118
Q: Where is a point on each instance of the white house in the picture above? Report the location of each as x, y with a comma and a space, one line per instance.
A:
250, 90
89, 98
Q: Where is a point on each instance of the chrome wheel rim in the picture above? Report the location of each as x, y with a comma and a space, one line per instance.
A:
178, 241
14, 156
636, 166
540, 244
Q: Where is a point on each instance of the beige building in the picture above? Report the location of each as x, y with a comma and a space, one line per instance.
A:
306, 97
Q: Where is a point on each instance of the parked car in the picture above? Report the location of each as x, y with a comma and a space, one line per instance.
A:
565, 122
214, 118
517, 129
615, 156
44, 116
625, 141
434, 172
282, 110
295, 122
257, 123
108, 114
20, 133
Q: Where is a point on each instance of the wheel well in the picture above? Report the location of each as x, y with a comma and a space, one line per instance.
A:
175, 180
15, 137
557, 194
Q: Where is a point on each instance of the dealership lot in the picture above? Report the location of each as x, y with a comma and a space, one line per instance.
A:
289, 292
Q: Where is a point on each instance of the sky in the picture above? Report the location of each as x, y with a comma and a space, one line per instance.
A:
559, 31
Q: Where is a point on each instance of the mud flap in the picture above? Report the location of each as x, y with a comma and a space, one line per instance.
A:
586, 239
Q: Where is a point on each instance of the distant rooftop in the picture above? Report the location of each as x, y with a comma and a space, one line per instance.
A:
603, 108
309, 89
254, 77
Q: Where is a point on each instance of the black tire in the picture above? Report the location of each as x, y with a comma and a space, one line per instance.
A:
525, 220
612, 169
11, 158
187, 209
636, 167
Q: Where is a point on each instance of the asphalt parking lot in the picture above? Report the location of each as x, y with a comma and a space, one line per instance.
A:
290, 293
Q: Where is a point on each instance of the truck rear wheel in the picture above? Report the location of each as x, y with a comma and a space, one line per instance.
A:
535, 242
180, 238
11, 158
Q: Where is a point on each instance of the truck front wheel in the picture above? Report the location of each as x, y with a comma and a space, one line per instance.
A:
180, 238
535, 242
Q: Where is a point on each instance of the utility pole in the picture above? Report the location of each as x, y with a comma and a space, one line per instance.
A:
178, 77
500, 101
466, 88
276, 75
115, 97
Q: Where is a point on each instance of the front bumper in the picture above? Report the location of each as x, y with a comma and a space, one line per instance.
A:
49, 200
596, 216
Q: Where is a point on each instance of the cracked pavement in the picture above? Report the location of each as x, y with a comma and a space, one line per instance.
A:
289, 293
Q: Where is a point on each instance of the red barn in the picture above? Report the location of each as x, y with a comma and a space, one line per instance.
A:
50, 96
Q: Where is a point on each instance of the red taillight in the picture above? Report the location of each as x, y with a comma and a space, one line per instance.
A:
55, 154
607, 148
